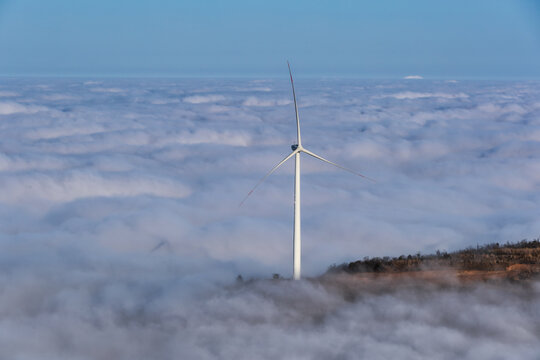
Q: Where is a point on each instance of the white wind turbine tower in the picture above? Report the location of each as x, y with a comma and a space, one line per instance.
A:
296, 150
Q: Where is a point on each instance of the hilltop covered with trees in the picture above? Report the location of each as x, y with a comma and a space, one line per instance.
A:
523, 256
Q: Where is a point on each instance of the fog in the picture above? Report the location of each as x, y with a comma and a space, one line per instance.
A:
121, 233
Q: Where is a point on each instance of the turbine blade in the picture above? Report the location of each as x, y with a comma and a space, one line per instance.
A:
339, 166
267, 175
295, 107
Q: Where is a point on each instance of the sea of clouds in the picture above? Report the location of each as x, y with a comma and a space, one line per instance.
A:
121, 233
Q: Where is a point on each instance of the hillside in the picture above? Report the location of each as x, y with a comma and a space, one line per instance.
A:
514, 261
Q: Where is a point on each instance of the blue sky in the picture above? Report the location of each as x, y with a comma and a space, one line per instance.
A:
389, 38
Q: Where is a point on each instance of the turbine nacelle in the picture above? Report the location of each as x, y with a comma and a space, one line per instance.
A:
294, 147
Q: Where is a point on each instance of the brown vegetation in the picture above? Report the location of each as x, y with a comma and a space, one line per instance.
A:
512, 260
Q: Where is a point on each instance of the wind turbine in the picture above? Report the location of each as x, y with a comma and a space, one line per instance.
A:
297, 149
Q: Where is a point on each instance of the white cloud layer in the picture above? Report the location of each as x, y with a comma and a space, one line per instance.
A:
419, 95
413, 77
10, 107
120, 226
202, 99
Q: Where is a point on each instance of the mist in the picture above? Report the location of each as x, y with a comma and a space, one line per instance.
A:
121, 234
